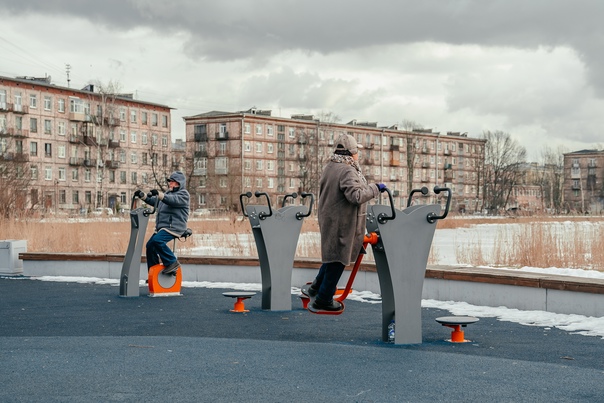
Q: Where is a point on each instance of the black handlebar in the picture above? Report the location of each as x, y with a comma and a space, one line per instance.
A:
433, 217
300, 216
248, 195
261, 215
293, 196
424, 191
382, 217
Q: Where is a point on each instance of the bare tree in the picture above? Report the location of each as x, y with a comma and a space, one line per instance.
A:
503, 156
412, 145
15, 177
551, 179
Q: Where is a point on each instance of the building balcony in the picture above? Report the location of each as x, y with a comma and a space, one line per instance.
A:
395, 163
89, 163
200, 137
75, 139
394, 147
78, 116
112, 164
75, 161
20, 109
425, 165
4, 106
394, 178
425, 150
222, 136
200, 154
111, 121
200, 172
4, 132
113, 144
21, 157
89, 140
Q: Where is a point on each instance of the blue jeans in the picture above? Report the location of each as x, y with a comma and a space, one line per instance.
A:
157, 248
327, 281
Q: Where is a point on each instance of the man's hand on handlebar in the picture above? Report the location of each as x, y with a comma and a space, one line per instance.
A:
140, 194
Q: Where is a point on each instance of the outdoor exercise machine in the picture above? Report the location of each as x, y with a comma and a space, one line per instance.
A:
276, 234
401, 257
159, 284
401, 242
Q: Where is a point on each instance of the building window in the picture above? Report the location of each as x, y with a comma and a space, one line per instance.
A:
47, 150
47, 126
133, 158
258, 147
259, 129
269, 130
87, 175
154, 119
133, 137
75, 197
33, 101
74, 174
247, 128
144, 138
132, 116
33, 149
259, 165
61, 128
144, 118
61, 105
33, 125
47, 103
61, 151
164, 141
164, 120
48, 173
62, 174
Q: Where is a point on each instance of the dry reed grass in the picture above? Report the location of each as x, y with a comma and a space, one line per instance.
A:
564, 242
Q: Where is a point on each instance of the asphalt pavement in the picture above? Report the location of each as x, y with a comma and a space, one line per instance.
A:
72, 342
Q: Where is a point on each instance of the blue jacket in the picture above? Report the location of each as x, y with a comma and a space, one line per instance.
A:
173, 210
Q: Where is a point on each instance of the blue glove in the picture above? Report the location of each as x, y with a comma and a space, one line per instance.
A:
381, 187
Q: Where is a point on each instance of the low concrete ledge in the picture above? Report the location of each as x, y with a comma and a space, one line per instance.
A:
487, 287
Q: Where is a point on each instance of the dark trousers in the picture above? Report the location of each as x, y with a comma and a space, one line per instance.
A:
157, 248
327, 281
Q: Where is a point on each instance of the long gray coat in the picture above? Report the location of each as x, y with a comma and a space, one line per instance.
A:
342, 210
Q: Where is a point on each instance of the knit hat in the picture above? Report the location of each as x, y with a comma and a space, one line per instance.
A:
346, 143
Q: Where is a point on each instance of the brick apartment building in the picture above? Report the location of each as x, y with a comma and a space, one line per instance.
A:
583, 181
80, 149
236, 152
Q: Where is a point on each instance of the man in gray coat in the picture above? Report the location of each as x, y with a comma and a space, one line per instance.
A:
343, 196
170, 223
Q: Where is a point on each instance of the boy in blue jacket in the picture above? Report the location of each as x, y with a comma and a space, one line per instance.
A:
170, 223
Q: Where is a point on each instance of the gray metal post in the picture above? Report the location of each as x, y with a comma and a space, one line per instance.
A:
130, 276
276, 239
276, 234
401, 256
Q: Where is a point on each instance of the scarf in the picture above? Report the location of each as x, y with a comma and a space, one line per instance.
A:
346, 159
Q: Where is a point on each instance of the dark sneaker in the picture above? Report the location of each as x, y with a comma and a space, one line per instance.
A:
331, 306
171, 268
309, 290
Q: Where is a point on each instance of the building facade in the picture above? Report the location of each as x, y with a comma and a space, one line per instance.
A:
583, 181
232, 153
76, 150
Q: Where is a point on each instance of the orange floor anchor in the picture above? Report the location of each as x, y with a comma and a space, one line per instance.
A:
241, 296
164, 285
371, 238
456, 323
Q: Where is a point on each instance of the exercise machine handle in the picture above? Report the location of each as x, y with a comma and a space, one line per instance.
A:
248, 195
147, 212
293, 196
433, 217
261, 215
424, 191
300, 216
382, 217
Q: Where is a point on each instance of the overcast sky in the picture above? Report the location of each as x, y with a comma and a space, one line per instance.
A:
531, 68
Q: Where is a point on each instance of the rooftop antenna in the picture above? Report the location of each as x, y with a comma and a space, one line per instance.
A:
67, 68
